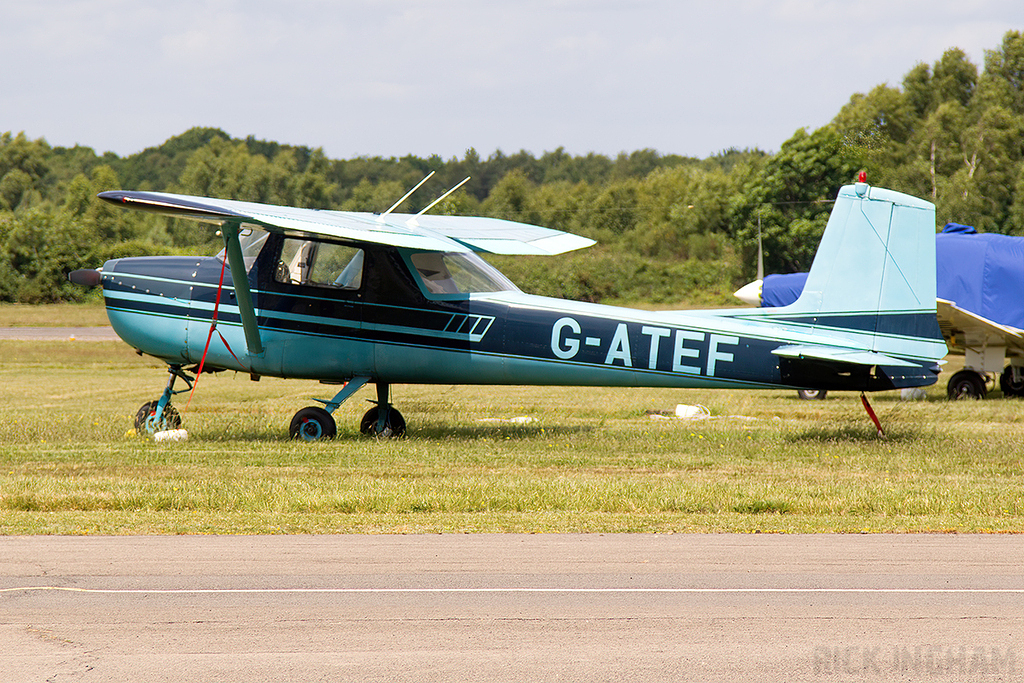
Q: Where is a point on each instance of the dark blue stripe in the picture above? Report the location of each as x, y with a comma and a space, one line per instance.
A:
918, 325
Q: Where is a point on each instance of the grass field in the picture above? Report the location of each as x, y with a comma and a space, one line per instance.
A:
90, 314
589, 460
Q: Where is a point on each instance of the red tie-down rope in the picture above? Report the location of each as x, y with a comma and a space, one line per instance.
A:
209, 337
871, 414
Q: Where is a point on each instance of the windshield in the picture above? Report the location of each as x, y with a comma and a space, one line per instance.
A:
458, 273
252, 240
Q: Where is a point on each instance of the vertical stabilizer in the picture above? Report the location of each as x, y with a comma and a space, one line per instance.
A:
874, 271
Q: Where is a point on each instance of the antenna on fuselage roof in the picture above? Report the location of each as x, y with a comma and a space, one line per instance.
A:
405, 196
434, 203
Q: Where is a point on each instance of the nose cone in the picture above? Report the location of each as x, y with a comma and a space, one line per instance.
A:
86, 277
749, 293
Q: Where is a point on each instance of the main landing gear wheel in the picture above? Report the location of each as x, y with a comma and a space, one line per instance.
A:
1009, 385
392, 426
313, 424
812, 394
966, 384
146, 423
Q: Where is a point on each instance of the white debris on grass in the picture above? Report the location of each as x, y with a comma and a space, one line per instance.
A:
171, 435
522, 420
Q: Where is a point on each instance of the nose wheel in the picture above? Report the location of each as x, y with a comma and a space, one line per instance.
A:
160, 415
146, 421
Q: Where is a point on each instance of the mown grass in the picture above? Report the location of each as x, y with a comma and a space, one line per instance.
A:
589, 459
88, 314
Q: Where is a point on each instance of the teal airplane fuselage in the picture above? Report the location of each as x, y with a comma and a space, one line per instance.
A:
337, 309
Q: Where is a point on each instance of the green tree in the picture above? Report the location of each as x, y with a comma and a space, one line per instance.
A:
375, 198
685, 213
511, 199
917, 87
311, 188
42, 248
1007, 64
876, 128
954, 77
15, 188
791, 197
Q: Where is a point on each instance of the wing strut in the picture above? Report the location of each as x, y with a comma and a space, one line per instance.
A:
241, 283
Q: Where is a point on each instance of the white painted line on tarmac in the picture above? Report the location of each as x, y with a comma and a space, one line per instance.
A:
257, 591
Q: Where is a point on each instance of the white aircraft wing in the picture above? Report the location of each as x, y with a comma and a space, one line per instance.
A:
433, 233
961, 328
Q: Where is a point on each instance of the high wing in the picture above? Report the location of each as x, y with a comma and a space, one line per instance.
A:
962, 328
432, 233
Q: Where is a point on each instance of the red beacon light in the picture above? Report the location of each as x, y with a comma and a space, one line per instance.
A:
861, 188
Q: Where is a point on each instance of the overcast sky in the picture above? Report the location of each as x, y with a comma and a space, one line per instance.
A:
396, 77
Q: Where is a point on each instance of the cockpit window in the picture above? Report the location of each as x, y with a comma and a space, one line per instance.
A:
252, 240
458, 273
320, 264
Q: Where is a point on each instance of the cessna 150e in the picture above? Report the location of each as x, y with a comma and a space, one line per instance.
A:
359, 298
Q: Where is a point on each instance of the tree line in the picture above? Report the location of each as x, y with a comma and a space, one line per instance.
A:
669, 227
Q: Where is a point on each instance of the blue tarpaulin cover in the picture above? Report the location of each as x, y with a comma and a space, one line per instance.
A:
980, 273
782, 290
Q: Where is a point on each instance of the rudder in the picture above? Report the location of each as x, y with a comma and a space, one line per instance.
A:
874, 270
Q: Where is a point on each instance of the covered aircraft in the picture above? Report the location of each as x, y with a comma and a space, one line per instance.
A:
980, 307
358, 298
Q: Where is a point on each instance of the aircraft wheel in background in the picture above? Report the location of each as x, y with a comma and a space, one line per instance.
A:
1008, 385
812, 394
966, 384
169, 420
394, 423
312, 424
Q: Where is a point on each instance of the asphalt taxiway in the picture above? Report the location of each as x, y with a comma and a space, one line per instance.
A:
58, 334
513, 608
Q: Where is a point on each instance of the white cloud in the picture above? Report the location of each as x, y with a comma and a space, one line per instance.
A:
394, 77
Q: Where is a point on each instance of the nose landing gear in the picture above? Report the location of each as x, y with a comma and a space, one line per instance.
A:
160, 415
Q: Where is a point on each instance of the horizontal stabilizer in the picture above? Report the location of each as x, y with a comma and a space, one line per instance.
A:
840, 355
431, 233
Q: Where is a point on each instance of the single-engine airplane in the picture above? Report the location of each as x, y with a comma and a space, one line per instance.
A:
359, 298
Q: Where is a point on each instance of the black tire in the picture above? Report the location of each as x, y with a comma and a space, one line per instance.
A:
169, 420
394, 423
812, 394
313, 424
1008, 385
966, 384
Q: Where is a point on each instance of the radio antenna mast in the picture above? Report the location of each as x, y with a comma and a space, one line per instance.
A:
434, 203
405, 196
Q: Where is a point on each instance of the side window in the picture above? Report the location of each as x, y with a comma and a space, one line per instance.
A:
320, 264
337, 265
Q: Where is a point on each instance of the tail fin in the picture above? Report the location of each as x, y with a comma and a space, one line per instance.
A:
874, 272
